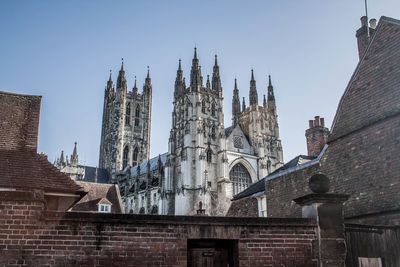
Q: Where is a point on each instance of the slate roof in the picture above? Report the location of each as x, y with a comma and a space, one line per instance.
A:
99, 194
260, 185
362, 103
103, 176
228, 130
153, 165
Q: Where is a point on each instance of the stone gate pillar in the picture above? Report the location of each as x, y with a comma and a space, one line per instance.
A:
327, 209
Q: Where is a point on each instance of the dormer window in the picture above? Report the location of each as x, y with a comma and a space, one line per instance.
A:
105, 208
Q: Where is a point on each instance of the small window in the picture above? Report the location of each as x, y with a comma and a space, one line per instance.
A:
209, 155
128, 114
125, 157
213, 109
105, 208
203, 106
137, 116
237, 142
213, 135
135, 157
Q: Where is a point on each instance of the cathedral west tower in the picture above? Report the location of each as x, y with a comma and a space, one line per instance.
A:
125, 135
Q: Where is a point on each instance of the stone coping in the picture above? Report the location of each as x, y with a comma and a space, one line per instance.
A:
175, 219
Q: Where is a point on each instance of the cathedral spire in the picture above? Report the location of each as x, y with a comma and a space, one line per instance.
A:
243, 105
135, 89
235, 105
121, 81
264, 102
62, 161
109, 88
74, 156
179, 81
216, 79
271, 97
208, 85
253, 96
195, 74
147, 83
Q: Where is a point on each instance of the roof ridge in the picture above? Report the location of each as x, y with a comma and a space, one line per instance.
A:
352, 79
390, 20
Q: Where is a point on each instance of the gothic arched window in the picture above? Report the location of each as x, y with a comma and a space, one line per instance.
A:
240, 178
137, 115
209, 155
213, 109
203, 106
128, 114
213, 132
135, 156
125, 157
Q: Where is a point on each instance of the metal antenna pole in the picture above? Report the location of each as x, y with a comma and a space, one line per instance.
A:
366, 14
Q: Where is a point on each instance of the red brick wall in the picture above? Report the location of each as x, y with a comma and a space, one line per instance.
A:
33, 237
364, 164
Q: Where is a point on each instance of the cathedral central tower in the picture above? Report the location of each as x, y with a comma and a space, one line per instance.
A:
195, 141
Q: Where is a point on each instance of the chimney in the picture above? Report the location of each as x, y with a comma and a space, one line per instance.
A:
19, 119
364, 34
316, 136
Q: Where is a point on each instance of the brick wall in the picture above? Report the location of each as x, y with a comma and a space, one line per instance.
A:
282, 190
34, 237
364, 164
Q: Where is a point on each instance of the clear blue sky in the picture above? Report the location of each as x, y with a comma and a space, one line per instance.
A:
63, 50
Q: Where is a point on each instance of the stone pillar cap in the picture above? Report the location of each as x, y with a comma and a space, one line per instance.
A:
321, 198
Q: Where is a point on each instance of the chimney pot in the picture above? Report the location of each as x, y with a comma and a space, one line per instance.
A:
316, 120
322, 122
372, 23
310, 124
364, 21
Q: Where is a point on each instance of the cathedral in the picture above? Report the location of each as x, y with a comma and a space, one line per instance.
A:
206, 163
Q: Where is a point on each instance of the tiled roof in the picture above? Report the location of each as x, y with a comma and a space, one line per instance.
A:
99, 194
362, 104
27, 169
260, 185
153, 165
20, 166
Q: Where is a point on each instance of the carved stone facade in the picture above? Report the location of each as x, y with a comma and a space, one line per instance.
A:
206, 163
125, 135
